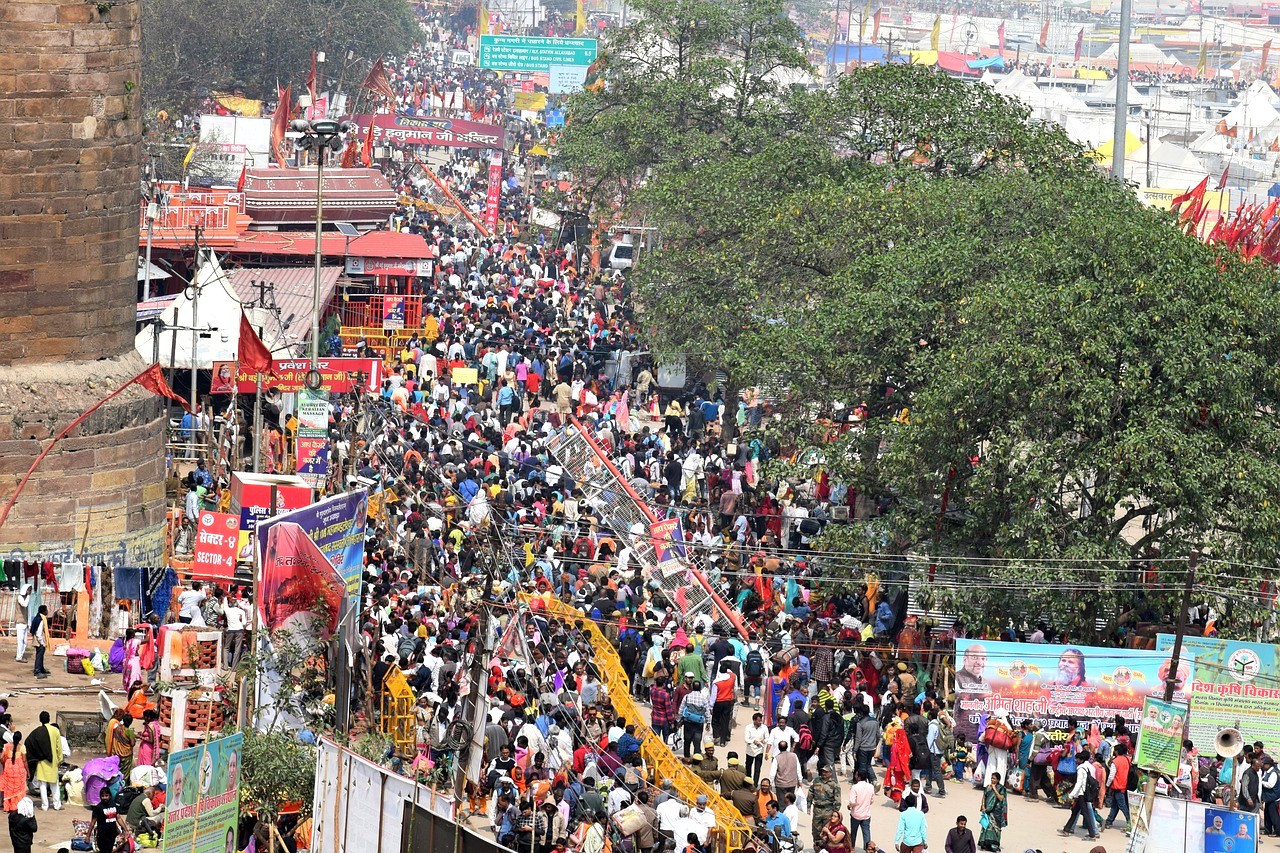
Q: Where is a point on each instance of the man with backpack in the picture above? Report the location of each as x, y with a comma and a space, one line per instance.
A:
866, 734
753, 672
1118, 786
693, 717
1083, 796
941, 741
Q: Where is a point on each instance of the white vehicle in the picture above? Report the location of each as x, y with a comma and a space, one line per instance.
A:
623, 253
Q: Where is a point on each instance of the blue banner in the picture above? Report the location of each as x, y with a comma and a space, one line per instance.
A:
337, 526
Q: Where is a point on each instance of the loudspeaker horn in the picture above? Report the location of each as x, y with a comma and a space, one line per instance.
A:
1229, 743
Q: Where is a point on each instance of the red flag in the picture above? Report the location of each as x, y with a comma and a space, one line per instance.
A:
244, 170
1221, 127
377, 81
682, 600
349, 154
311, 79
1079, 44
280, 123
875, 26
253, 353
1266, 52
153, 380
1044, 34
1196, 192
1234, 131
1222, 182
1000, 36
1275, 144
366, 153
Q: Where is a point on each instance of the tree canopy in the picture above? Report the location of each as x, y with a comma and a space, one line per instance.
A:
252, 44
1066, 371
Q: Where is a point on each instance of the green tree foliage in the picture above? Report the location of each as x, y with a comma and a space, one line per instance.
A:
1081, 380
252, 44
277, 768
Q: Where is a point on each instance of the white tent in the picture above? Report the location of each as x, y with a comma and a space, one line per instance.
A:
1253, 112
1105, 93
1170, 165
216, 314
1141, 53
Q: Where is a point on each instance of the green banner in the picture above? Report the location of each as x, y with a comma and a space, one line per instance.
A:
1160, 736
534, 53
203, 803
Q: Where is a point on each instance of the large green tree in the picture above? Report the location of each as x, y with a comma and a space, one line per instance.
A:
252, 44
1080, 380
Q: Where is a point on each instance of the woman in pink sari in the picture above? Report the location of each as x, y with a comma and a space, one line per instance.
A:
149, 740
132, 659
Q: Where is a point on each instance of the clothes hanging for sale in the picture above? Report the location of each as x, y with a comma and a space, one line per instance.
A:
50, 576
71, 577
128, 583
160, 582
30, 570
12, 572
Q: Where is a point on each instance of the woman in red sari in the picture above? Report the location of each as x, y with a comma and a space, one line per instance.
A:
898, 774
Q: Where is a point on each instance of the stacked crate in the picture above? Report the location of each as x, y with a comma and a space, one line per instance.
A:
191, 707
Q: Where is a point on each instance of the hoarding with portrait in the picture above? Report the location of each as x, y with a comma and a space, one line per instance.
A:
1050, 683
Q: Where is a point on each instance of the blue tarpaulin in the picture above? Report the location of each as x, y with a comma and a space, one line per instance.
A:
842, 54
996, 62
1274, 192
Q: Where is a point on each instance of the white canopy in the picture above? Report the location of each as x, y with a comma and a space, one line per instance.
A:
218, 322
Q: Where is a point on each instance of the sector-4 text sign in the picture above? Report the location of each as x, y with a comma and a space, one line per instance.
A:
534, 53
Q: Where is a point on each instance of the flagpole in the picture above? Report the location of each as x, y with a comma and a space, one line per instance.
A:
257, 424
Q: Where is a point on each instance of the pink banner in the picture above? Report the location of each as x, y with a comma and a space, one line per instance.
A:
430, 130
495, 193
299, 589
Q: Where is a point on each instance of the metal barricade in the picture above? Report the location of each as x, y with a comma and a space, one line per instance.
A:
397, 712
662, 763
684, 586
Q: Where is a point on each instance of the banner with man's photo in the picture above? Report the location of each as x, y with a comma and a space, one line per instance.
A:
1051, 684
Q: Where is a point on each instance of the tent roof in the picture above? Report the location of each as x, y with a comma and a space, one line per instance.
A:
287, 328
1105, 151
840, 53
218, 318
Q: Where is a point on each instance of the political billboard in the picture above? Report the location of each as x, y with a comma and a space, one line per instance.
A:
1237, 685
202, 804
1051, 683
337, 527
1160, 736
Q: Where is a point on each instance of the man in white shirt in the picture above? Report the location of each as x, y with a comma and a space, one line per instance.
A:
1080, 803
756, 736
668, 814
236, 619
189, 604
780, 733
703, 816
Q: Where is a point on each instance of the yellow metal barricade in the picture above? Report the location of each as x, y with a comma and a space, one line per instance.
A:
657, 755
397, 712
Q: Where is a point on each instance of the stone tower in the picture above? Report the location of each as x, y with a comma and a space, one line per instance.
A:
70, 137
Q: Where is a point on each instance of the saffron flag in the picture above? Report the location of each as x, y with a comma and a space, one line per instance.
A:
186, 161
483, 14
280, 124
1000, 36
1195, 192
862, 24
376, 81
1266, 54
1222, 182
875, 25
580, 20
1079, 44
1202, 64
153, 380
244, 170
1044, 35
253, 353
366, 152
936, 33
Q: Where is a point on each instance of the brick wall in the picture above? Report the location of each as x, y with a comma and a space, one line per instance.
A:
70, 149
70, 130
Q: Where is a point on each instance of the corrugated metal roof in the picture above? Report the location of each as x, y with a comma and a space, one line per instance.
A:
293, 243
390, 244
289, 290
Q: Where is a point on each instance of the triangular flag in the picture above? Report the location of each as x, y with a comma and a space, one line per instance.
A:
936, 33
1044, 35
1195, 192
244, 170
875, 25
186, 161
1222, 182
1000, 37
1266, 53
1202, 64
484, 20
862, 24
366, 151
1079, 44
153, 380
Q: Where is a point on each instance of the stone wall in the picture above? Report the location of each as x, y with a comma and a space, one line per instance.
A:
70, 130
70, 149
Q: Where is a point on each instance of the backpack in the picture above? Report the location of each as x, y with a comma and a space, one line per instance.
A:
946, 738
629, 649
805, 741
694, 713
1131, 784
754, 667
125, 798
1091, 789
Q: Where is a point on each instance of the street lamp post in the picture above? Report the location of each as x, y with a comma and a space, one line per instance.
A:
320, 136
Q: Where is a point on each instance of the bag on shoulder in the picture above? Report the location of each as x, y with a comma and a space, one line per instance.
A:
805, 740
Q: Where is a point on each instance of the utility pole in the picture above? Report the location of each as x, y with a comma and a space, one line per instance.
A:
1170, 686
478, 683
889, 42
153, 213
195, 324
1122, 91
